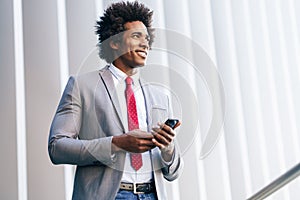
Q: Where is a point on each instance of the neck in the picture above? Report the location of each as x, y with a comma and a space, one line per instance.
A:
126, 69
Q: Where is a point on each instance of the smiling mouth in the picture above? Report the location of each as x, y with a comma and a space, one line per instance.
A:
142, 54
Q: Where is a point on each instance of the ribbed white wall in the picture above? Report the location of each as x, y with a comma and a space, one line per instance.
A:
255, 45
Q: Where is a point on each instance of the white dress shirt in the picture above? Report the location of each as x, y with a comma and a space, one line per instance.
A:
144, 174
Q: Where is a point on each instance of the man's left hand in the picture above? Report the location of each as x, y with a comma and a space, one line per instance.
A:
163, 138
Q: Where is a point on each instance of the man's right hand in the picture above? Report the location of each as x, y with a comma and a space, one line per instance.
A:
135, 141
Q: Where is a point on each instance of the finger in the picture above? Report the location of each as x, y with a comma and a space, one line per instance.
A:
167, 128
140, 134
140, 148
164, 134
161, 139
165, 125
161, 146
144, 142
146, 135
145, 148
178, 124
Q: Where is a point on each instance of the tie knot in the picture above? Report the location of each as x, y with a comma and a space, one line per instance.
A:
128, 80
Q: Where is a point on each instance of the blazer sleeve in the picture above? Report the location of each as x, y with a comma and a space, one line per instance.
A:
64, 147
174, 168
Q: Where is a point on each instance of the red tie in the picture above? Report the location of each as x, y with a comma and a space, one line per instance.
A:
133, 122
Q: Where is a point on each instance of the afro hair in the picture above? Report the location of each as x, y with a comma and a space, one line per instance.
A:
113, 20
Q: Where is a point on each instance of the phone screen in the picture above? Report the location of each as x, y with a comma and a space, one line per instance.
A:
172, 122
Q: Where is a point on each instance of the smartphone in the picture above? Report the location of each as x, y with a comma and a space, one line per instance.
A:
172, 122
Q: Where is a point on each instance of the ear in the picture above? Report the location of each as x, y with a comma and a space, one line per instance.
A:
114, 44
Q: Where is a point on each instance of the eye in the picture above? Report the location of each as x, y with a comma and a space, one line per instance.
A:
135, 36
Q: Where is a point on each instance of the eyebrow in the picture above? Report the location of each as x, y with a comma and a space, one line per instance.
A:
138, 32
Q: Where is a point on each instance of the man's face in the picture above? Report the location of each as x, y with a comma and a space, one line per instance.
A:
133, 47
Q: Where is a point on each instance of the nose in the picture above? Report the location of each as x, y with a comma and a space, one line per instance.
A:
144, 43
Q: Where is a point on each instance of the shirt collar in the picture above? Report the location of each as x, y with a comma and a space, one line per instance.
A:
121, 76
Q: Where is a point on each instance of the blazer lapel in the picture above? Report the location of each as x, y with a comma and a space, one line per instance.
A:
110, 87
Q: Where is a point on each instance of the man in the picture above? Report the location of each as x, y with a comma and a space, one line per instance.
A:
104, 123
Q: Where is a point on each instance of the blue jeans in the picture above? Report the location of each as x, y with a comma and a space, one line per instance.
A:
123, 194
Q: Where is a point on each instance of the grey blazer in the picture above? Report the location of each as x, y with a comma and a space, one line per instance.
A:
87, 117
